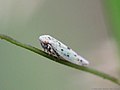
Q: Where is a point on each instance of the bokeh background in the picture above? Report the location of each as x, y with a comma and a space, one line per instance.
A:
90, 27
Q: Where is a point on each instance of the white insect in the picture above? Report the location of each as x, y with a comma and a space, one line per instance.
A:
60, 50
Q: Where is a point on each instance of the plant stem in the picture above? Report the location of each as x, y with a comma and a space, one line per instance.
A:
42, 53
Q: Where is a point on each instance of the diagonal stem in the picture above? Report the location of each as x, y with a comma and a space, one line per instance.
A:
42, 53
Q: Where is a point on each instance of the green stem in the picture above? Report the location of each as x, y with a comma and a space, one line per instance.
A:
40, 52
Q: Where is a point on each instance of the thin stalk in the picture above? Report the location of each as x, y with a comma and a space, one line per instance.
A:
42, 53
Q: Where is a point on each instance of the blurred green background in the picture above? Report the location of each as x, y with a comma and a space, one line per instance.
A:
90, 27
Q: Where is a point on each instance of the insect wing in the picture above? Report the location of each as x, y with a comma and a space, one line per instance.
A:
65, 53
58, 49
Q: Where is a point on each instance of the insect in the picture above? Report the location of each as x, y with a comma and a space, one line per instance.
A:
60, 50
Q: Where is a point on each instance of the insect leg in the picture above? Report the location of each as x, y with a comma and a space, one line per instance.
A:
44, 46
55, 52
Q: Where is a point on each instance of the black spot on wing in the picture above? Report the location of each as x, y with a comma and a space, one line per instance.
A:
64, 54
49, 38
59, 44
62, 50
77, 59
67, 55
75, 55
81, 60
68, 48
